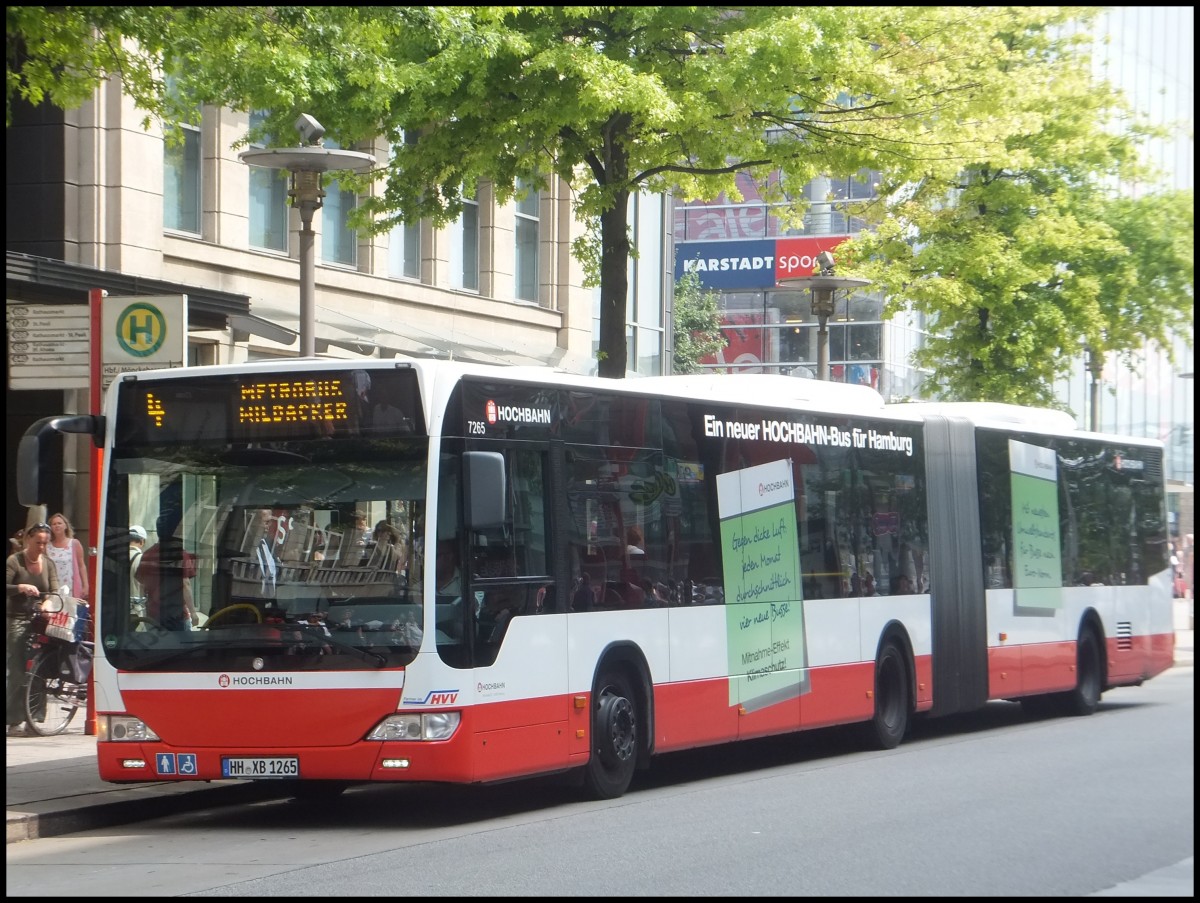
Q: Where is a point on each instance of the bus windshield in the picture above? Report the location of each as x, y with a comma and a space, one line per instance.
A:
302, 549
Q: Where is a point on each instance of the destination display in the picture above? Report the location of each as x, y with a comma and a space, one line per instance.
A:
271, 407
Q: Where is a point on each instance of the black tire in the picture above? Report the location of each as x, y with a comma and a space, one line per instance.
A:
889, 724
1089, 679
50, 699
609, 771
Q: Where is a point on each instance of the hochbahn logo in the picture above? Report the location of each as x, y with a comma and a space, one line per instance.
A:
254, 680
507, 413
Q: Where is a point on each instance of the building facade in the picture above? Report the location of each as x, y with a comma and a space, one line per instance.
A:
745, 253
95, 201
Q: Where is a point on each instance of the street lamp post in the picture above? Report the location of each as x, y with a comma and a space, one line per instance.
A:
823, 287
306, 163
1095, 366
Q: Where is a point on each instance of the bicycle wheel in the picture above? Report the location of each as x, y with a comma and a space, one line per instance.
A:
50, 699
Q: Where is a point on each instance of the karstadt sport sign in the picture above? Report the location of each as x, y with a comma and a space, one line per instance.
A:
751, 264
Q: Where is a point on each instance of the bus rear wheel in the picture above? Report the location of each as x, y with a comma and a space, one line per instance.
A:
889, 724
1085, 698
609, 771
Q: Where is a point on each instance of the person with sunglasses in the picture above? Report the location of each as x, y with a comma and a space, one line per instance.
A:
29, 575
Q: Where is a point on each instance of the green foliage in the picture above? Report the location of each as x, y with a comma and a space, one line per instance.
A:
1031, 254
60, 54
697, 324
617, 100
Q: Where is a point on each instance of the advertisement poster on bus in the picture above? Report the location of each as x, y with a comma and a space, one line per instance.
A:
1037, 567
763, 597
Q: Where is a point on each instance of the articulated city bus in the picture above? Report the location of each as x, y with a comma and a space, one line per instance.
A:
431, 571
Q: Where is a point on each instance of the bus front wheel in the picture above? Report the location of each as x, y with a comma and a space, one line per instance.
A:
609, 771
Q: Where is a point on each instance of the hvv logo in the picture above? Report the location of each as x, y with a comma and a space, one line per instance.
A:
435, 697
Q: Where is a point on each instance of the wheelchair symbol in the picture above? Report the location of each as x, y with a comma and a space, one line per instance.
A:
187, 764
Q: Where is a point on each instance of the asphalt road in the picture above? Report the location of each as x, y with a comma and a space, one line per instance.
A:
989, 804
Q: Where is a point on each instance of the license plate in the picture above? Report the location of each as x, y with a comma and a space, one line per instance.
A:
278, 767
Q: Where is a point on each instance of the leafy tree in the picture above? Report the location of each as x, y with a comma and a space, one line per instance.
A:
1019, 264
696, 324
61, 54
612, 99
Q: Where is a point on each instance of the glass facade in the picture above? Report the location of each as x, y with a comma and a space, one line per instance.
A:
1148, 53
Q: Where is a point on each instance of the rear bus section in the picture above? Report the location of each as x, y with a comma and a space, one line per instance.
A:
1054, 584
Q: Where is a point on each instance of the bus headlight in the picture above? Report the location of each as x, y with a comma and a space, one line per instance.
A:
124, 729
427, 726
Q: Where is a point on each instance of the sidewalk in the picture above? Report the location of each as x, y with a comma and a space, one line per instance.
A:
52, 786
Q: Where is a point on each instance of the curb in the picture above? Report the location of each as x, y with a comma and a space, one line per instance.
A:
33, 825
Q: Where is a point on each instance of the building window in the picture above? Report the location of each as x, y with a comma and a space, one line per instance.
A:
268, 201
181, 175
339, 242
404, 251
527, 238
464, 247
404, 241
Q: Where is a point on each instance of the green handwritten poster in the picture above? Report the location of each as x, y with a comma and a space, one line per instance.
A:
1037, 544
763, 602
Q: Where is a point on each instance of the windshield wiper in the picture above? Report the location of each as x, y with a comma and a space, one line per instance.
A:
320, 638
297, 632
174, 654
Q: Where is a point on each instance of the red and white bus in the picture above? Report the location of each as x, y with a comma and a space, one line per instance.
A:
431, 571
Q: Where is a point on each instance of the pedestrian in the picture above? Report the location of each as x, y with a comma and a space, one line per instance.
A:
264, 552
584, 597
389, 548
16, 542
29, 575
137, 594
67, 554
166, 574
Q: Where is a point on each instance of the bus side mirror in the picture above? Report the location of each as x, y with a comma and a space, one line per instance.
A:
485, 489
37, 476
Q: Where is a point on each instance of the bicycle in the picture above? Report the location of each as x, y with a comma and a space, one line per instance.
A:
56, 682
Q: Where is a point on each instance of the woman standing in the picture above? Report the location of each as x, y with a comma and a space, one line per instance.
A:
67, 554
29, 575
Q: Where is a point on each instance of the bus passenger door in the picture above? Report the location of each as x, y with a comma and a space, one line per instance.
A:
518, 645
